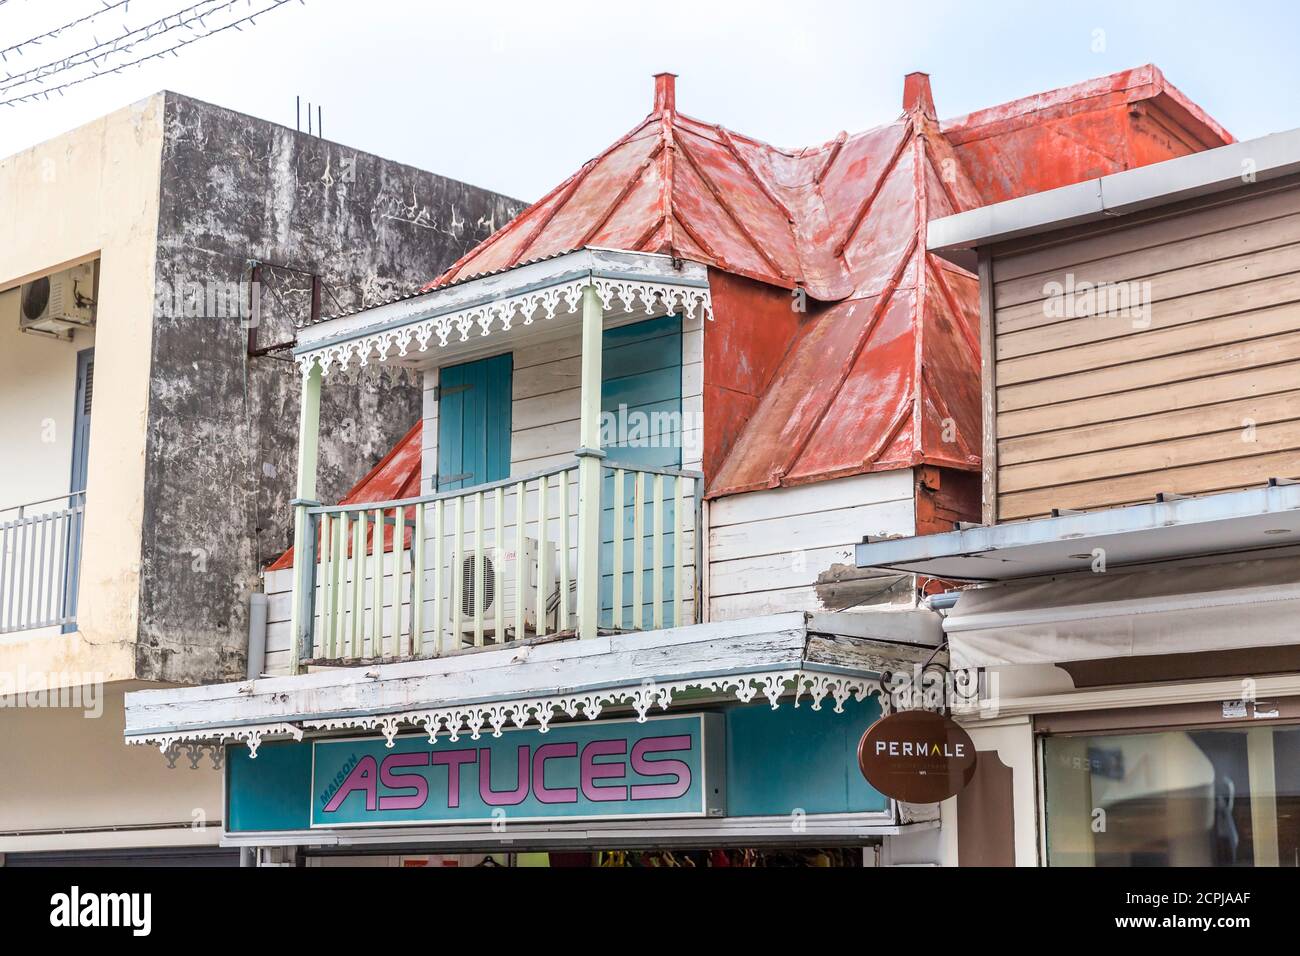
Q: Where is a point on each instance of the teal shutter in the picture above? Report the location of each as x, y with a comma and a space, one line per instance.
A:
474, 422
641, 397
641, 381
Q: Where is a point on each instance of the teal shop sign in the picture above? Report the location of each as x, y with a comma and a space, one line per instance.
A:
608, 769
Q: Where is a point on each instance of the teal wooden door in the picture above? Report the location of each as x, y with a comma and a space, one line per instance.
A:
641, 393
474, 422
641, 406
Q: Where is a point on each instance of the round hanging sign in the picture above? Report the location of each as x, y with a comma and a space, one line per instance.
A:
917, 756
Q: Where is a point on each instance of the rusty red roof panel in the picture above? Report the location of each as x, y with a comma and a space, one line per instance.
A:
397, 476
883, 369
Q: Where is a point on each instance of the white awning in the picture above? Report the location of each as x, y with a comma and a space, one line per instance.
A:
1231, 522
794, 656
1087, 616
455, 319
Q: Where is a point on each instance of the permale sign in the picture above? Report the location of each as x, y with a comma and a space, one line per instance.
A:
665, 767
917, 756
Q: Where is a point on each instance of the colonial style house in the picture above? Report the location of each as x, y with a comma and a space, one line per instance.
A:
661, 408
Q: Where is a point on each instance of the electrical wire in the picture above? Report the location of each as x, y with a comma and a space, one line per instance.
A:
106, 8
114, 46
233, 25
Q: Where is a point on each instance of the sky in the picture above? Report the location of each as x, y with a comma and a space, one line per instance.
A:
514, 96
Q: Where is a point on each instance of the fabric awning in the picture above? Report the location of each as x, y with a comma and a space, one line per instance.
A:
1087, 616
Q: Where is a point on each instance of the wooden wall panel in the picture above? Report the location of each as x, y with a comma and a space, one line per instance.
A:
1193, 389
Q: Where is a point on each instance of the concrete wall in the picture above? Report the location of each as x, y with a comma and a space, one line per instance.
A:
223, 427
93, 191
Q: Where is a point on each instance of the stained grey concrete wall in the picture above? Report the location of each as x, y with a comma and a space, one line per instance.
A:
222, 426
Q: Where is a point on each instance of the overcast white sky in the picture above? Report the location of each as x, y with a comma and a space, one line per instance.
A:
515, 95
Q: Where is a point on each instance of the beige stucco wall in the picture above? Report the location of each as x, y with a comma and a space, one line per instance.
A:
95, 782
93, 191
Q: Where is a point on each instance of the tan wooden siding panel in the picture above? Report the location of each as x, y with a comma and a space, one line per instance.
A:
1230, 243
1240, 383
1156, 427
1166, 314
1169, 285
1151, 372
1235, 473
1134, 459
1157, 228
1180, 339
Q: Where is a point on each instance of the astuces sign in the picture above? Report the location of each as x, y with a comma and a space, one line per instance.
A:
607, 769
917, 756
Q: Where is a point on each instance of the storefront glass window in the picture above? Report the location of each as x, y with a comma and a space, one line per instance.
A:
1182, 798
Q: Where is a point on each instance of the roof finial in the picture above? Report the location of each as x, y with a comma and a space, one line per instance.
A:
665, 93
917, 95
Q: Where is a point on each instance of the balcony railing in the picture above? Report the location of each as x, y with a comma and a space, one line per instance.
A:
495, 564
40, 560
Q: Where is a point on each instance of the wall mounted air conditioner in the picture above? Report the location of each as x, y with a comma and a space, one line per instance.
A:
60, 303
510, 565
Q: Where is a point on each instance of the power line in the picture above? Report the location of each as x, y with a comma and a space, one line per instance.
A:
233, 25
17, 47
115, 46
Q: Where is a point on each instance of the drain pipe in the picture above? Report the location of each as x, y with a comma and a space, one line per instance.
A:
256, 635
257, 612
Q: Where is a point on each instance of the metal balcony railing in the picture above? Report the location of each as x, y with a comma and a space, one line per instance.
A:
495, 564
40, 562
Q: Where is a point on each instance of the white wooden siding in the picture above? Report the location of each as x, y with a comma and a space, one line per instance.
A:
768, 549
429, 435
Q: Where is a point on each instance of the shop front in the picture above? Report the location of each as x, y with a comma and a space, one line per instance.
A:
744, 785
1143, 710
1217, 792
526, 757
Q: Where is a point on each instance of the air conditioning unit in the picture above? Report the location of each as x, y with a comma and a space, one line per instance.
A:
510, 563
59, 303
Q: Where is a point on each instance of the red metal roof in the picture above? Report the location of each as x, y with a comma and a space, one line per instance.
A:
397, 476
882, 371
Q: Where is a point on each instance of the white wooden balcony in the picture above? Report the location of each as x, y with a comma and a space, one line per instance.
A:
496, 564
596, 542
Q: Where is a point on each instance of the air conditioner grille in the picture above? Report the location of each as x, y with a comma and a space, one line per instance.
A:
467, 584
36, 297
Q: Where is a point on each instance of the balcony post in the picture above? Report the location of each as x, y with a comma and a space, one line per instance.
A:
302, 614
589, 467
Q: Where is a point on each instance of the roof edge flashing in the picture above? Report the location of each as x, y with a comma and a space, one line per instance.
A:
1075, 532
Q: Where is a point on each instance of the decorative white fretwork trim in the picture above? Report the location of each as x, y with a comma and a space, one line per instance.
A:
476, 719
167, 743
632, 295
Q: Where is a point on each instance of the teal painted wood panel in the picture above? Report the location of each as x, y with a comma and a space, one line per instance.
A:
641, 387
797, 758
474, 415
641, 408
271, 792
